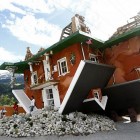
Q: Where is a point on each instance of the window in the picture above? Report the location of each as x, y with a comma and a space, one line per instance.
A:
34, 78
50, 94
93, 57
50, 97
62, 66
96, 95
138, 72
47, 69
55, 68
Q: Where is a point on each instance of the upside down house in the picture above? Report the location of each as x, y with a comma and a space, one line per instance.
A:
81, 73
122, 50
63, 75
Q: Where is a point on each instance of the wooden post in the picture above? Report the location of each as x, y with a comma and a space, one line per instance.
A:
114, 116
132, 114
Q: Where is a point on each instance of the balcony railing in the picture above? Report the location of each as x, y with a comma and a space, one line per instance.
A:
44, 84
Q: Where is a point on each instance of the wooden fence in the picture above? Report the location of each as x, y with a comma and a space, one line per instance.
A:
10, 110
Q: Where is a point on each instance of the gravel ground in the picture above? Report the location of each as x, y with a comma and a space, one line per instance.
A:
48, 123
129, 131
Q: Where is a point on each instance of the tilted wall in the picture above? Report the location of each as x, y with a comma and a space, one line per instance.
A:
65, 80
125, 56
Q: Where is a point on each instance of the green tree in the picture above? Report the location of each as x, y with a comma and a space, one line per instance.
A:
6, 100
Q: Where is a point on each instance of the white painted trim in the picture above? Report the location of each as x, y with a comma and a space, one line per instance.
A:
72, 85
30, 66
55, 93
90, 36
19, 98
45, 92
56, 96
32, 79
91, 55
97, 93
82, 51
60, 68
138, 69
102, 104
44, 97
20, 101
46, 64
114, 80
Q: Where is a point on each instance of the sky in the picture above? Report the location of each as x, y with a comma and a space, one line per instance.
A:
38, 23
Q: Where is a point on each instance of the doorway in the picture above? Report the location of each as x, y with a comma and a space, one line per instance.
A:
50, 96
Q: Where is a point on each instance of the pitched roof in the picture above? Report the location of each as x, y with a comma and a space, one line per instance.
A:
76, 37
122, 37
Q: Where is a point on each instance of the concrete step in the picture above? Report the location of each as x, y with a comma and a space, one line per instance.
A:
23, 99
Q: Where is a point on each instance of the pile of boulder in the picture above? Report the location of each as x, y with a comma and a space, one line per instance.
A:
53, 123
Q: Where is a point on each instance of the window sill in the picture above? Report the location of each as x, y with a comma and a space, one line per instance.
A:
64, 74
50, 99
34, 85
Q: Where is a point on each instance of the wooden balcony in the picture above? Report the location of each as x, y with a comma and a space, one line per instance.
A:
43, 85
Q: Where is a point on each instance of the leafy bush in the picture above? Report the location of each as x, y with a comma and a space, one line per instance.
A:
7, 100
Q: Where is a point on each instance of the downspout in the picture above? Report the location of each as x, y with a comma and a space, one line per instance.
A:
82, 51
114, 81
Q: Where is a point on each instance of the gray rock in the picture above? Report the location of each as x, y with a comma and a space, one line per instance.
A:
51, 123
71, 116
1, 132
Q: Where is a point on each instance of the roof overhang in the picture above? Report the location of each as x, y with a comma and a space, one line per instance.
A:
123, 96
94, 105
77, 37
89, 75
120, 38
19, 66
41, 86
6, 65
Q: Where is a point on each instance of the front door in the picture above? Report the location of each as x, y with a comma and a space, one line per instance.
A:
50, 97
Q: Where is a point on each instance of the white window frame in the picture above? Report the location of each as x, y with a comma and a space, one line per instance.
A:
96, 94
93, 56
56, 98
61, 73
47, 69
32, 78
138, 72
49, 98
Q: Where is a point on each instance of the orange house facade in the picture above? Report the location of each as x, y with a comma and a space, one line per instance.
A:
122, 50
48, 74
126, 58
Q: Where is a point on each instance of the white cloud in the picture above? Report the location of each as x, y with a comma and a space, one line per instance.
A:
61, 4
7, 5
104, 17
34, 31
6, 56
13, 16
28, 6
35, 6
